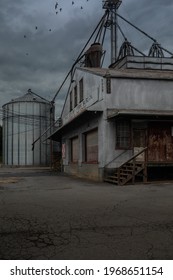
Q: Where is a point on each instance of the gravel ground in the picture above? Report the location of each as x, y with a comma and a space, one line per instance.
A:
46, 215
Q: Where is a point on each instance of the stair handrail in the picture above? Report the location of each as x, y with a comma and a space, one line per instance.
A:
124, 151
134, 161
131, 158
134, 156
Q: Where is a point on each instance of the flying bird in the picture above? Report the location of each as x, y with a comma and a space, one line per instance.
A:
24, 36
56, 5
72, 2
60, 9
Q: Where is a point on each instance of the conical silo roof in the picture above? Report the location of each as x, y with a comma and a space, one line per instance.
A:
29, 97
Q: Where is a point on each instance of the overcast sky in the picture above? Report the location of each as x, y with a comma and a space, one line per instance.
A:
38, 43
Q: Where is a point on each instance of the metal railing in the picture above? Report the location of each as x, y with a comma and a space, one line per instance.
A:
118, 156
133, 159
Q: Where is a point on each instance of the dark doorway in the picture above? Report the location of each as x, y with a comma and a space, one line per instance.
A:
160, 173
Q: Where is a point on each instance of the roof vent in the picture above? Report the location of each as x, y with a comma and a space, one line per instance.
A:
156, 50
126, 49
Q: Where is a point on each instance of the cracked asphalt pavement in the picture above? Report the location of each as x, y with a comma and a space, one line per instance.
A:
46, 215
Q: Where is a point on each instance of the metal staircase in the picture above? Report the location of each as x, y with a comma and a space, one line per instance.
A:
128, 171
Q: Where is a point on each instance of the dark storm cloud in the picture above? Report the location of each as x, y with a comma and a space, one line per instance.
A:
35, 53
38, 47
154, 17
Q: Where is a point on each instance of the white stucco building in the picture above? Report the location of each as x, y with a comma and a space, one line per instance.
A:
112, 114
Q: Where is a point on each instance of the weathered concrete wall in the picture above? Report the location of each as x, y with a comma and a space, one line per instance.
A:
126, 93
88, 171
94, 87
140, 94
82, 169
88, 125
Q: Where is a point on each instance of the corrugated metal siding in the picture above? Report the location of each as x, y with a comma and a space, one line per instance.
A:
23, 123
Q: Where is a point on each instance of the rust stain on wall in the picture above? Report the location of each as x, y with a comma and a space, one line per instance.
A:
160, 142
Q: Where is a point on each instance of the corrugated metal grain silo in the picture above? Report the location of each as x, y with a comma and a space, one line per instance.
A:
25, 119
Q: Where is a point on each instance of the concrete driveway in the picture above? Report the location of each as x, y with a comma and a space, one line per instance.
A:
45, 215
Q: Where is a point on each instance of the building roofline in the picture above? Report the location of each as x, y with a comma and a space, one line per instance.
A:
29, 97
76, 121
136, 67
112, 113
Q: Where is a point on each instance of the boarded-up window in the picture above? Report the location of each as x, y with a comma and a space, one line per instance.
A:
81, 89
63, 150
71, 101
108, 85
123, 135
91, 144
74, 149
75, 96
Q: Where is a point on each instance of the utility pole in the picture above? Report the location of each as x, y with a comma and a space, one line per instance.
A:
112, 6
